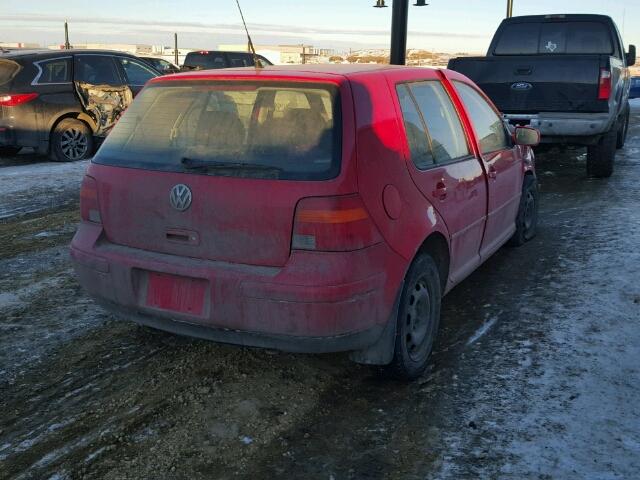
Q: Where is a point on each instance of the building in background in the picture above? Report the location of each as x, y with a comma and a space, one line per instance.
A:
10, 45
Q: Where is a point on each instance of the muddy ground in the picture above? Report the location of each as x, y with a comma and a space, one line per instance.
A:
535, 375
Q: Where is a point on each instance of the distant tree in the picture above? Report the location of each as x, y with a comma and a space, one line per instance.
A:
336, 59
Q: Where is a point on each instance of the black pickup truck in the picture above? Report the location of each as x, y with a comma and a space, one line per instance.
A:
565, 75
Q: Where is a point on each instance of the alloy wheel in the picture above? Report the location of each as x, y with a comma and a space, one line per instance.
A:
74, 144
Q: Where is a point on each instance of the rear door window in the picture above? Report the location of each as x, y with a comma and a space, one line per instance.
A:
417, 138
489, 127
249, 129
96, 70
442, 138
136, 73
54, 71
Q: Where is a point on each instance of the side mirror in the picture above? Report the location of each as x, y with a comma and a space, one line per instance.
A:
631, 56
526, 136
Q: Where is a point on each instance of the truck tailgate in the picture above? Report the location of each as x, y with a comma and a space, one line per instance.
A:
538, 83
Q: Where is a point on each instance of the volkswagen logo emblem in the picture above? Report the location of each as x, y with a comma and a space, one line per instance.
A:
180, 197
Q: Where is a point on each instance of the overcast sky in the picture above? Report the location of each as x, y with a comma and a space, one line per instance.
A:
445, 25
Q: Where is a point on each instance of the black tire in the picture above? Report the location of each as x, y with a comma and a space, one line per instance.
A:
71, 140
600, 156
9, 151
624, 128
418, 319
527, 218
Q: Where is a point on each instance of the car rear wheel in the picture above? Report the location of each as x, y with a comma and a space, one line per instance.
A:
71, 140
418, 319
624, 129
527, 218
9, 151
600, 156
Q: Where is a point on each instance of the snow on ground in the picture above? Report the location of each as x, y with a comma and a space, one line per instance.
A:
39, 186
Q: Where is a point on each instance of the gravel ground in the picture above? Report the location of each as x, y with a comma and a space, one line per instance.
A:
535, 374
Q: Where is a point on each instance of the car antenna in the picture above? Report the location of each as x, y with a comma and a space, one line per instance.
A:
256, 60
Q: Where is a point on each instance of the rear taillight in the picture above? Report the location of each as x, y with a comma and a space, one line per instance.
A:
89, 208
604, 86
333, 224
13, 99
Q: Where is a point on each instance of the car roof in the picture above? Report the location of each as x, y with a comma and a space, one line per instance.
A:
572, 17
312, 72
47, 53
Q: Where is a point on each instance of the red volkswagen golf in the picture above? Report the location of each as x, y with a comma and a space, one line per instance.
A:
309, 209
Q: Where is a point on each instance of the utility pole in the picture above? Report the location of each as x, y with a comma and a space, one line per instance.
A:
67, 46
175, 49
509, 8
304, 54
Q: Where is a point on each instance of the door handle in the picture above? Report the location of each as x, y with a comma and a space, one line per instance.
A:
492, 172
440, 191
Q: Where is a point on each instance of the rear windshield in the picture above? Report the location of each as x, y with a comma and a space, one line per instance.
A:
8, 70
257, 130
205, 60
554, 38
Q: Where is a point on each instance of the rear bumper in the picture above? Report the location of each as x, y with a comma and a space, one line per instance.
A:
7, 137
318, 302
287, 343
554, 126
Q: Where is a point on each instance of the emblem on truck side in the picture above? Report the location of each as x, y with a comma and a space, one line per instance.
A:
180, 197
521, 86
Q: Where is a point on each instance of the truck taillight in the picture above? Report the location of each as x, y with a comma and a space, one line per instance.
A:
89, 208
604, 86
333, 224
13, 99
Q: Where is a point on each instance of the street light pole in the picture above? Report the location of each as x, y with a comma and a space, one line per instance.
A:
509, 8
399, 19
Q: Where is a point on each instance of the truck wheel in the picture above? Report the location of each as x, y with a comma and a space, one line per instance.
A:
600, 156
624, 129
71, 140
527, 218
418, 319
9, 151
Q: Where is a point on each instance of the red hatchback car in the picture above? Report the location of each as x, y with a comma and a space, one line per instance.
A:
309, 209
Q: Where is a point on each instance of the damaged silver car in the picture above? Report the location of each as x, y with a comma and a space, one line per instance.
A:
63, 103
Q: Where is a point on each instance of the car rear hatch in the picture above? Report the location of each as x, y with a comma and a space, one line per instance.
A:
8, 71
215, 169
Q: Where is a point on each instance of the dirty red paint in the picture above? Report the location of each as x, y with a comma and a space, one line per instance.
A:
317, 260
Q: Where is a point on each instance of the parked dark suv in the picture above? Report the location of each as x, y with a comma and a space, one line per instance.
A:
64, 102
207, 60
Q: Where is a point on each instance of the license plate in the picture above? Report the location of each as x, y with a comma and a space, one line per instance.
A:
176, 293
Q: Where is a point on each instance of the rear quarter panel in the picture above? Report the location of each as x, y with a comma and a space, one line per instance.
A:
381, 166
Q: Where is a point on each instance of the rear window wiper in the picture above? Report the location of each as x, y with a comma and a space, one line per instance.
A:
197, 164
